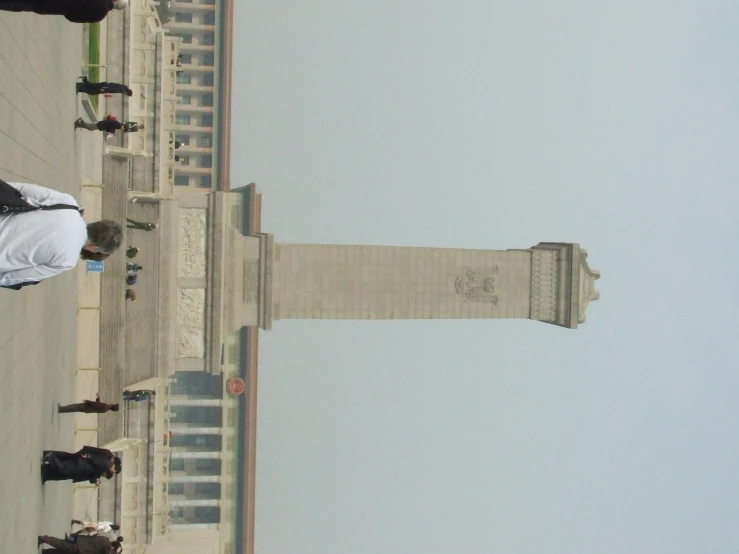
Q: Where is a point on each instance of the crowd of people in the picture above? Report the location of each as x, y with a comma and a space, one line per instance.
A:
110, 125
89, 464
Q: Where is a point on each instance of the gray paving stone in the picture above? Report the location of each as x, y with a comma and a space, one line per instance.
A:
39, 63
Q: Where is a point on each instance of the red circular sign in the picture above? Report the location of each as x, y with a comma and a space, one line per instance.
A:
235, 386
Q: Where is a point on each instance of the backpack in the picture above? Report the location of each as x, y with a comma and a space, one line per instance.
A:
12, 202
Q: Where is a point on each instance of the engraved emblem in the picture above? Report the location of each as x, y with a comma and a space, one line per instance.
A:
474, 287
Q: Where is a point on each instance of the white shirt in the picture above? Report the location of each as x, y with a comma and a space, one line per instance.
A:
100, 527
41, 244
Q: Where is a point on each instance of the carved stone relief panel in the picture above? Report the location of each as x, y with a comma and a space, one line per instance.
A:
251, 281
544, 285
478, 286
192, 230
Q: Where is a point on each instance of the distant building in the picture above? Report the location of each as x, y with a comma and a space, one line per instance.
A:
204, 92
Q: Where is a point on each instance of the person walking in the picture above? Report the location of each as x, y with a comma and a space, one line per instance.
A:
136, 395
132, 252
88, 464
42, 234
131, 295
109, 125
93, 89
133, 268
76, 11
96, 544
140, 225
88, 407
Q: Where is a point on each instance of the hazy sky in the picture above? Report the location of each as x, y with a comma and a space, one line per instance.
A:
489, 124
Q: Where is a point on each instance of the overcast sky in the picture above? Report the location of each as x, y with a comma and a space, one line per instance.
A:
490, 124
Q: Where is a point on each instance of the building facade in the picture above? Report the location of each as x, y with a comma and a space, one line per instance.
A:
203, 101
225, 279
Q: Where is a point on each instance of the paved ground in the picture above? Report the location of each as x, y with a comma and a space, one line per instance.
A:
39, 62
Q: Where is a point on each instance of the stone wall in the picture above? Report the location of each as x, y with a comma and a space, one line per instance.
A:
192, 243
191, 323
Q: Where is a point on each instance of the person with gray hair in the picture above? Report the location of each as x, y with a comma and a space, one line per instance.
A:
47, 235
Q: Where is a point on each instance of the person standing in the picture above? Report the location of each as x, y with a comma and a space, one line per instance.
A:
109, 125
76, 11
136, 395
93, 89
88, 464
140, 225
36, 245
88, 407
96, 544
132, 252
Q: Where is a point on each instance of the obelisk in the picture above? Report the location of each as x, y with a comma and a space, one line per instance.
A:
550, 282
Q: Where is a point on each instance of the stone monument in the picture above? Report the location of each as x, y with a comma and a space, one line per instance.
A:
232, 275
550, 282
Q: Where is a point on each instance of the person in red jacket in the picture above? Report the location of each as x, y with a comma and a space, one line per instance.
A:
89, 407
76, 11
108, 125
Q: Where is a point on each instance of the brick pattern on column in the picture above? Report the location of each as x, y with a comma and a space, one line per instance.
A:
382, 282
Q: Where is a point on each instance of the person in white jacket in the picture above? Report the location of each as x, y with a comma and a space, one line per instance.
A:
95, 527
36, 245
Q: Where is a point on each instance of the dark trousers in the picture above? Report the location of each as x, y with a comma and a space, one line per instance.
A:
72, 408
59, 545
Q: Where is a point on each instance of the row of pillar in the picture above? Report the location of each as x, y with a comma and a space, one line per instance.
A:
182, 453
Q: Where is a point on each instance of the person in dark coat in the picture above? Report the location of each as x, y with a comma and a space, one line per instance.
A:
140, 225
93, 89
89, 407
89, 464
76, 11
96, 544
136, 395
108, 125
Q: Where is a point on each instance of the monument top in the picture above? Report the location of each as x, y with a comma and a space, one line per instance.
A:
588, 276
562, 284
